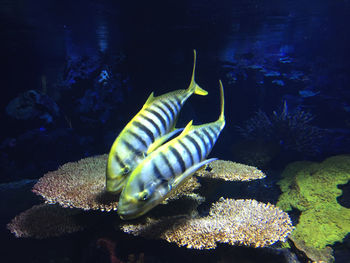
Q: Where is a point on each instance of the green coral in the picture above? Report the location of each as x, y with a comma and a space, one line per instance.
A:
312, 189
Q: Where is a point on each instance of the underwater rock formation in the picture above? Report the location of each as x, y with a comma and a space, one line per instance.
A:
312, 189
33, 105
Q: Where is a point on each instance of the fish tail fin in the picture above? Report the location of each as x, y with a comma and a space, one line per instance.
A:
222, 116
194, 87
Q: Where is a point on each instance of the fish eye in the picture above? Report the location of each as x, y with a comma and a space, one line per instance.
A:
125, 170
144, 195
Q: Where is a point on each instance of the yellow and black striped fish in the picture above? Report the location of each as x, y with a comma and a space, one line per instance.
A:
153, 125
169, 166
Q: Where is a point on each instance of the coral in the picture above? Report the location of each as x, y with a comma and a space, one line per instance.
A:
246, 222
81, 185
78, 185
43, 221
312, 189
230, 171
291, 129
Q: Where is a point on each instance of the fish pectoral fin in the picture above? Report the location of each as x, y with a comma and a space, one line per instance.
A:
162, 140
182, 178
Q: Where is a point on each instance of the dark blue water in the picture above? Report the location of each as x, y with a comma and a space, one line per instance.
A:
75, 72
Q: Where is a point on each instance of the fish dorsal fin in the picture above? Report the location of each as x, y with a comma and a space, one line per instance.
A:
182, 178
162, 140
187, 128
149, 100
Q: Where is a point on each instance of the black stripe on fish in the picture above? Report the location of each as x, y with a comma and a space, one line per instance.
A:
139, 138
157, 173
211, 141
198, 148
155, 125
200, 137
166, 104
165, 113
160, 117
140, 185
132, 148
178, 102
178, 158
188, 151
165, 159
175, 107
212, 130
119, 161
144, 129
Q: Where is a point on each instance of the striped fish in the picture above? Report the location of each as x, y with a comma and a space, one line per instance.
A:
169, 166
152, 126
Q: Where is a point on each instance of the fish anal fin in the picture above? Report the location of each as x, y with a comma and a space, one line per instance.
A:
162, 140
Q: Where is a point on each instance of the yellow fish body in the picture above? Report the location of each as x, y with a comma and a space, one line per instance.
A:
169, 166
151, 126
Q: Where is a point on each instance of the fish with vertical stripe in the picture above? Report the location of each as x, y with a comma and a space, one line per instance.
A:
169, 166
151, 127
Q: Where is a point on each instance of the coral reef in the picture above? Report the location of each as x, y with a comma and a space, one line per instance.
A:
81, 185
290, 129
43, 221
312, 189
245, 222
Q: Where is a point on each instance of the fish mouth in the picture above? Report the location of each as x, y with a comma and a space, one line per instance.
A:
114, 187
127, 214
131, 210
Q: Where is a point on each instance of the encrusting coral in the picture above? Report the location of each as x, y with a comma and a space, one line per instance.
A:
246, 222
81, 185
312, 189
43, 221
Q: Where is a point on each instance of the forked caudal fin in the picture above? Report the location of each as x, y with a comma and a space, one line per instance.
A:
194, 87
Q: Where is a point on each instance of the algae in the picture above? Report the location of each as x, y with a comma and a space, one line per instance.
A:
312, 189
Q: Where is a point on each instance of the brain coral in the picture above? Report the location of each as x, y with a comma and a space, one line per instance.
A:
312, 189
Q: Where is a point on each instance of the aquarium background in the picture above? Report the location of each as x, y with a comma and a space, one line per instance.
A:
75, 72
